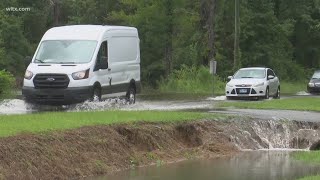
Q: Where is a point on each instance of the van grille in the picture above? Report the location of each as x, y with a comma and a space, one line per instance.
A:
51, 81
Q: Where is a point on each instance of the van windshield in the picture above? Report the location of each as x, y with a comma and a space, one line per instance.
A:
250, 73
65, 51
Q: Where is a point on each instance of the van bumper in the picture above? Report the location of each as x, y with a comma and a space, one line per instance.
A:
57, 96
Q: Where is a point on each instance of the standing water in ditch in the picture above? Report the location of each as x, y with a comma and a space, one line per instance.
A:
261, 165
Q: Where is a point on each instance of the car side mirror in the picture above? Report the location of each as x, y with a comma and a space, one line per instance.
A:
270, 77
230, 77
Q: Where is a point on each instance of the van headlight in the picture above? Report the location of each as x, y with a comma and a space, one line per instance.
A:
28, 75
311, 84
81, 75
260, 84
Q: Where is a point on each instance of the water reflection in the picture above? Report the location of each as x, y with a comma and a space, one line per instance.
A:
261, 165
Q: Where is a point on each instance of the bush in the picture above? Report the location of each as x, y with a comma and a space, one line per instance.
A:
7, 83
192, 80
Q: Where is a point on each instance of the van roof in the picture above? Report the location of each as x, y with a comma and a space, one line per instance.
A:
81, 32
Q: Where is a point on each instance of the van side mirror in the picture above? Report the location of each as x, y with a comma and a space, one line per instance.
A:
230, 77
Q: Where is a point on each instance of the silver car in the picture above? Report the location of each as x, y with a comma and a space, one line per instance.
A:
255, 82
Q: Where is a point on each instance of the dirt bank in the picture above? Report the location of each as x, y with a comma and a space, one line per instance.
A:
93, 151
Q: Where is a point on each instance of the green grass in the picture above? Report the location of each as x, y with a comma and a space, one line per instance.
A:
310, 178
292, 87
303, 104
11, 125
310, 157
192, 80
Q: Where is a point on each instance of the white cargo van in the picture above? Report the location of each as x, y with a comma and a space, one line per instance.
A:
76, 63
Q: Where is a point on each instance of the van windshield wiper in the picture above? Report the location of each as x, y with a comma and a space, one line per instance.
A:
64, 62
39, 60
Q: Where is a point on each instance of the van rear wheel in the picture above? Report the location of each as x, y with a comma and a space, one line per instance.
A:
131, 95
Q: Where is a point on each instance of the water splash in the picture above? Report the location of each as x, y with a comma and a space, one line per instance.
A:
218, 98
14, 106
302, 93
273, 134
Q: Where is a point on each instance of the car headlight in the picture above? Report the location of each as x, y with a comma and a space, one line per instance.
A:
260, 84
229, 85
28, 75
311, 84
81, 75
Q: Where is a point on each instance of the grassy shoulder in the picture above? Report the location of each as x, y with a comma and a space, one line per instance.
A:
309, 157
310, 178
301, 104
11, 125
292, 88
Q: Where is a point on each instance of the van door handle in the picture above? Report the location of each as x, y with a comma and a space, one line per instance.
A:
109, 69
110, 79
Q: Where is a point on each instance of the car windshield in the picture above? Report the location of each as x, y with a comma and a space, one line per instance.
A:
250, 73
65, 51
316, 75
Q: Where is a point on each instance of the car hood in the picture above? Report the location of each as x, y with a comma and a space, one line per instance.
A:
247, 81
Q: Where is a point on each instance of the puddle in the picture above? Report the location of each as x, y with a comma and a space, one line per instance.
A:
218, 98
262, 165
303, 93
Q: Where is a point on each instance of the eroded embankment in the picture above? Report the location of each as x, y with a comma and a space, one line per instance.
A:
91, 151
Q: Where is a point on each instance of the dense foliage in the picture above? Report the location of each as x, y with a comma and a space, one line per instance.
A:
282, 34
6, 84
192, 80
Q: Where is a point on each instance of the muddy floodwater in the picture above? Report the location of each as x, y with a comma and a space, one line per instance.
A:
253, 165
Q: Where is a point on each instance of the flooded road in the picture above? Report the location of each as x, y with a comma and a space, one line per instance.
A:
262, 165
17, 106
166, 103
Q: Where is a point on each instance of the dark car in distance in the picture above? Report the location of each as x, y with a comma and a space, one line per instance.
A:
314, 83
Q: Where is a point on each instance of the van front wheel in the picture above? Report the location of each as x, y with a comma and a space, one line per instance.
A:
96, 95
131, 95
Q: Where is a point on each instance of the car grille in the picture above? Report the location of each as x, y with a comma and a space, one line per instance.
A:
51, 81
317, 84
239, 90
243, 85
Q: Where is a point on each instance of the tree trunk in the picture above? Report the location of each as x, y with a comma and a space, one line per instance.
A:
168, 44
56, 12
236, 63
211, 27
208, 12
